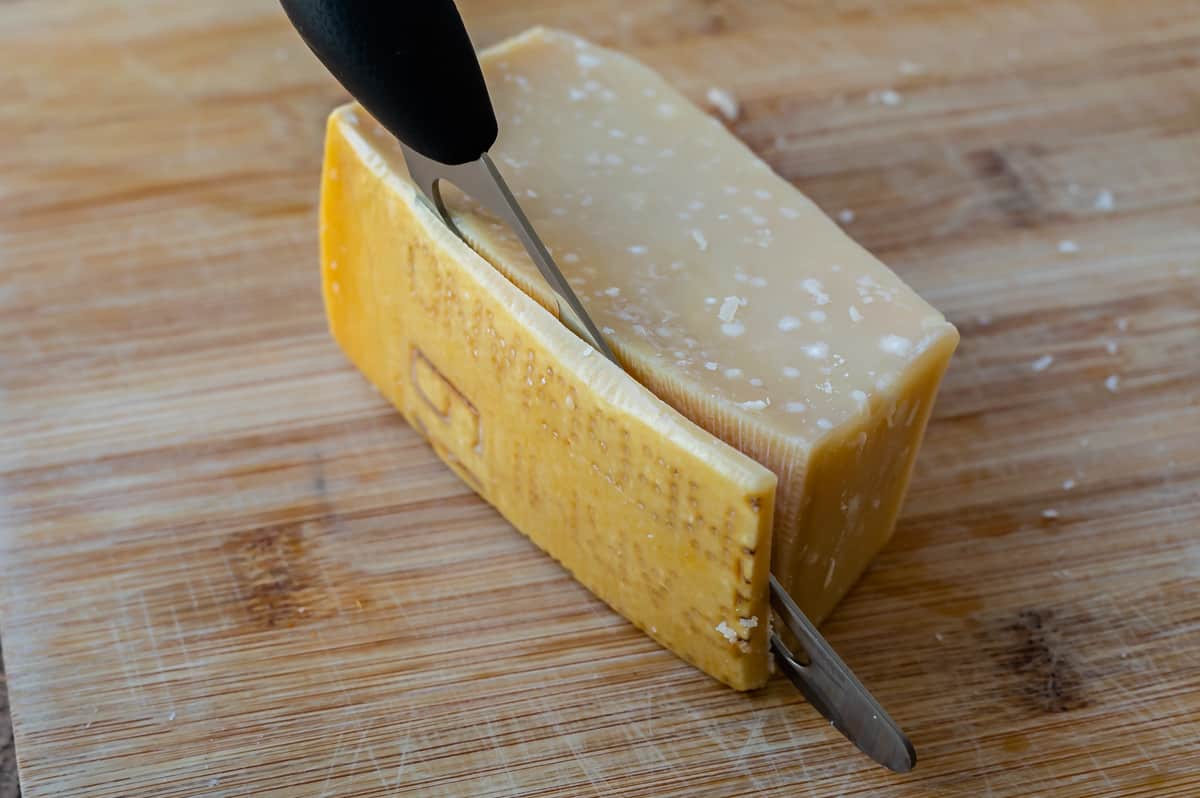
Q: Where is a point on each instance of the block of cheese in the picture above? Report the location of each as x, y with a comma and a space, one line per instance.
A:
779, 376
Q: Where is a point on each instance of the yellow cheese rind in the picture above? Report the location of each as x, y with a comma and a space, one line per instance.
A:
664, 522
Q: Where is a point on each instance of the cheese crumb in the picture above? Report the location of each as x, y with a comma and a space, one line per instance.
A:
788, 323
700, 240
637, 249
733, 374
1122, 324
726, 631
855, 315
889, 97
817, 315
1112, 383
1110, 347
755, 404
1068, 484
612, 291
824, 423
1104, 201
733, 328
790, 371
724, 102
795, 407
846, 215
712, 365
1068, 247
1050, 514
750, 622
1042, 363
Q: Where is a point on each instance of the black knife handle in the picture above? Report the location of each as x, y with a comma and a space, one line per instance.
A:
410, 63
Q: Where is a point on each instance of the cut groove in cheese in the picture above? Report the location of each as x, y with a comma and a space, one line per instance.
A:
726, 293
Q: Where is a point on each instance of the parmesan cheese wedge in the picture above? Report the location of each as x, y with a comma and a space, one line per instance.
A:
779, 377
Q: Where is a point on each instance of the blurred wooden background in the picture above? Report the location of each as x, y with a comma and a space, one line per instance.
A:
228, 568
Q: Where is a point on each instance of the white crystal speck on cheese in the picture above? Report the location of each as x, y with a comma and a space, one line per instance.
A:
895, 344
729, 308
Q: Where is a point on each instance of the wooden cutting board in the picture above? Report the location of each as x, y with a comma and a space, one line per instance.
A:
228, 568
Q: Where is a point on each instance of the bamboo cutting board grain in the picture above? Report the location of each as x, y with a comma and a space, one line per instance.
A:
229, 568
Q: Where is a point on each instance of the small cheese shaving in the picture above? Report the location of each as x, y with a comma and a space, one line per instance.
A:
889, 97
725, 103
726, 631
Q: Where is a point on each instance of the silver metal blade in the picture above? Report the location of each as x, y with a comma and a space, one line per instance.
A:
832, 688
481, 180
